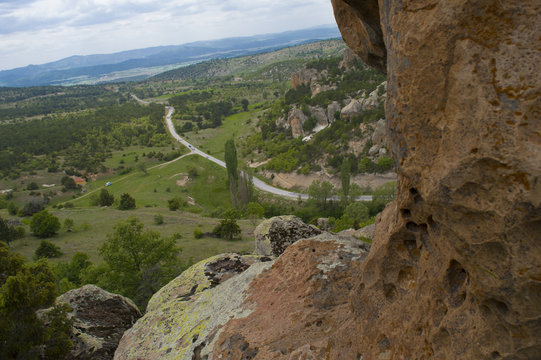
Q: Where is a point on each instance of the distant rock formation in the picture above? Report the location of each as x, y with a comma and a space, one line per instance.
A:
99, 320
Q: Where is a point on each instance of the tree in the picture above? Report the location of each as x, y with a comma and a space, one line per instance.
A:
8, 232
175, 203
254, 211
106, 199
68, 183
232, 171
12, 209
32, 186
137, 262
126, 202
44, 224
345, 174
47, 249
320, 192
245, 104
25, 288
227, 229
357, 212
231, 159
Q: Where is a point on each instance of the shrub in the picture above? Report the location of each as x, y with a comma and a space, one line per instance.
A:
197, 233
44, 225
158, 219
47, 249
175, 203
32, 186
126, 202
106, 199
227, 229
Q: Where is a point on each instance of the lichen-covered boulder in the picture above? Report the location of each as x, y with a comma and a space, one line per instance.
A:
99, 320
274, 235
184, 318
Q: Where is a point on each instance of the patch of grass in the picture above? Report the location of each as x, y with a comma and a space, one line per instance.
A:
212, 141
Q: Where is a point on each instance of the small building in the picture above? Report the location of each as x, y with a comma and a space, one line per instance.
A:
79, 180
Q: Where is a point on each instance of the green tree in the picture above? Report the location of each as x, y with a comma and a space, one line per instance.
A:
227, 229
32, 186
158, 219
254, 211
47, 249
8, 233
68, 183
320, 192
23, 290
231, 159
232, 171
106, 199
126, 202
44, 224
176, 203
357, 212
12, 209
345, 174
137, 262
70, 275
245, 104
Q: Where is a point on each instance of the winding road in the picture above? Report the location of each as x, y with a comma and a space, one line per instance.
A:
258, 184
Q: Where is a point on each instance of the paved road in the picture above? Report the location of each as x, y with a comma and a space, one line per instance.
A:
258, 184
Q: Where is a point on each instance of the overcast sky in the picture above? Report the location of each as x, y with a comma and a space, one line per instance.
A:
40, 31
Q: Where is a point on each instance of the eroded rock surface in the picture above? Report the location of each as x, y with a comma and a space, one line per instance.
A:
99, 320
274, 235
454, 269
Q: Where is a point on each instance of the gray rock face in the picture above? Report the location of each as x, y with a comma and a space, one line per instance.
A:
352, 109
380, 133
320, 115
332, 109
274, 235
99, 320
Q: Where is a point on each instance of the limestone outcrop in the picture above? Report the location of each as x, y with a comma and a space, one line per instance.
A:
454, 268
274, 235
99, 320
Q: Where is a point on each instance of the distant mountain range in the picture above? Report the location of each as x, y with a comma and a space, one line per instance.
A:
142, 63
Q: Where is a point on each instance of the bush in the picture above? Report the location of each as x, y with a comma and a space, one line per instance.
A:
126, 202
197, 233
12, 209
175, 203
68, 224
44, 225
158, 219
47, 249
227, 229
33, 206
106, 199
32, 186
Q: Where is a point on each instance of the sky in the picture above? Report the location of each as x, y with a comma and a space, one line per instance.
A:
40, 31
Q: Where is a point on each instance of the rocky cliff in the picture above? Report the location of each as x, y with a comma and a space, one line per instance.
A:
454, 268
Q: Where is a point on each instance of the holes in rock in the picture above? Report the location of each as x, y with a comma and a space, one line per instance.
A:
411, 226
197, 352
440, 310
416, 196
389, 290
406, 278
495, 355
384, 344
405, 212
497, 306
456, 277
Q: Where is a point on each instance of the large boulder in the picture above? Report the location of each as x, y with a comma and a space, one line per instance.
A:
99, 320
296, 119
297, 303
274, 235
185, 317
321, 117
332, 109
454, 268
354, 108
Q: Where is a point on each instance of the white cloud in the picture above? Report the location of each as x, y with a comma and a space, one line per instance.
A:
38, 31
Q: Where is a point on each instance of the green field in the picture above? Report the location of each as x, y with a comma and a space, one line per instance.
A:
212, 141
205, 195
